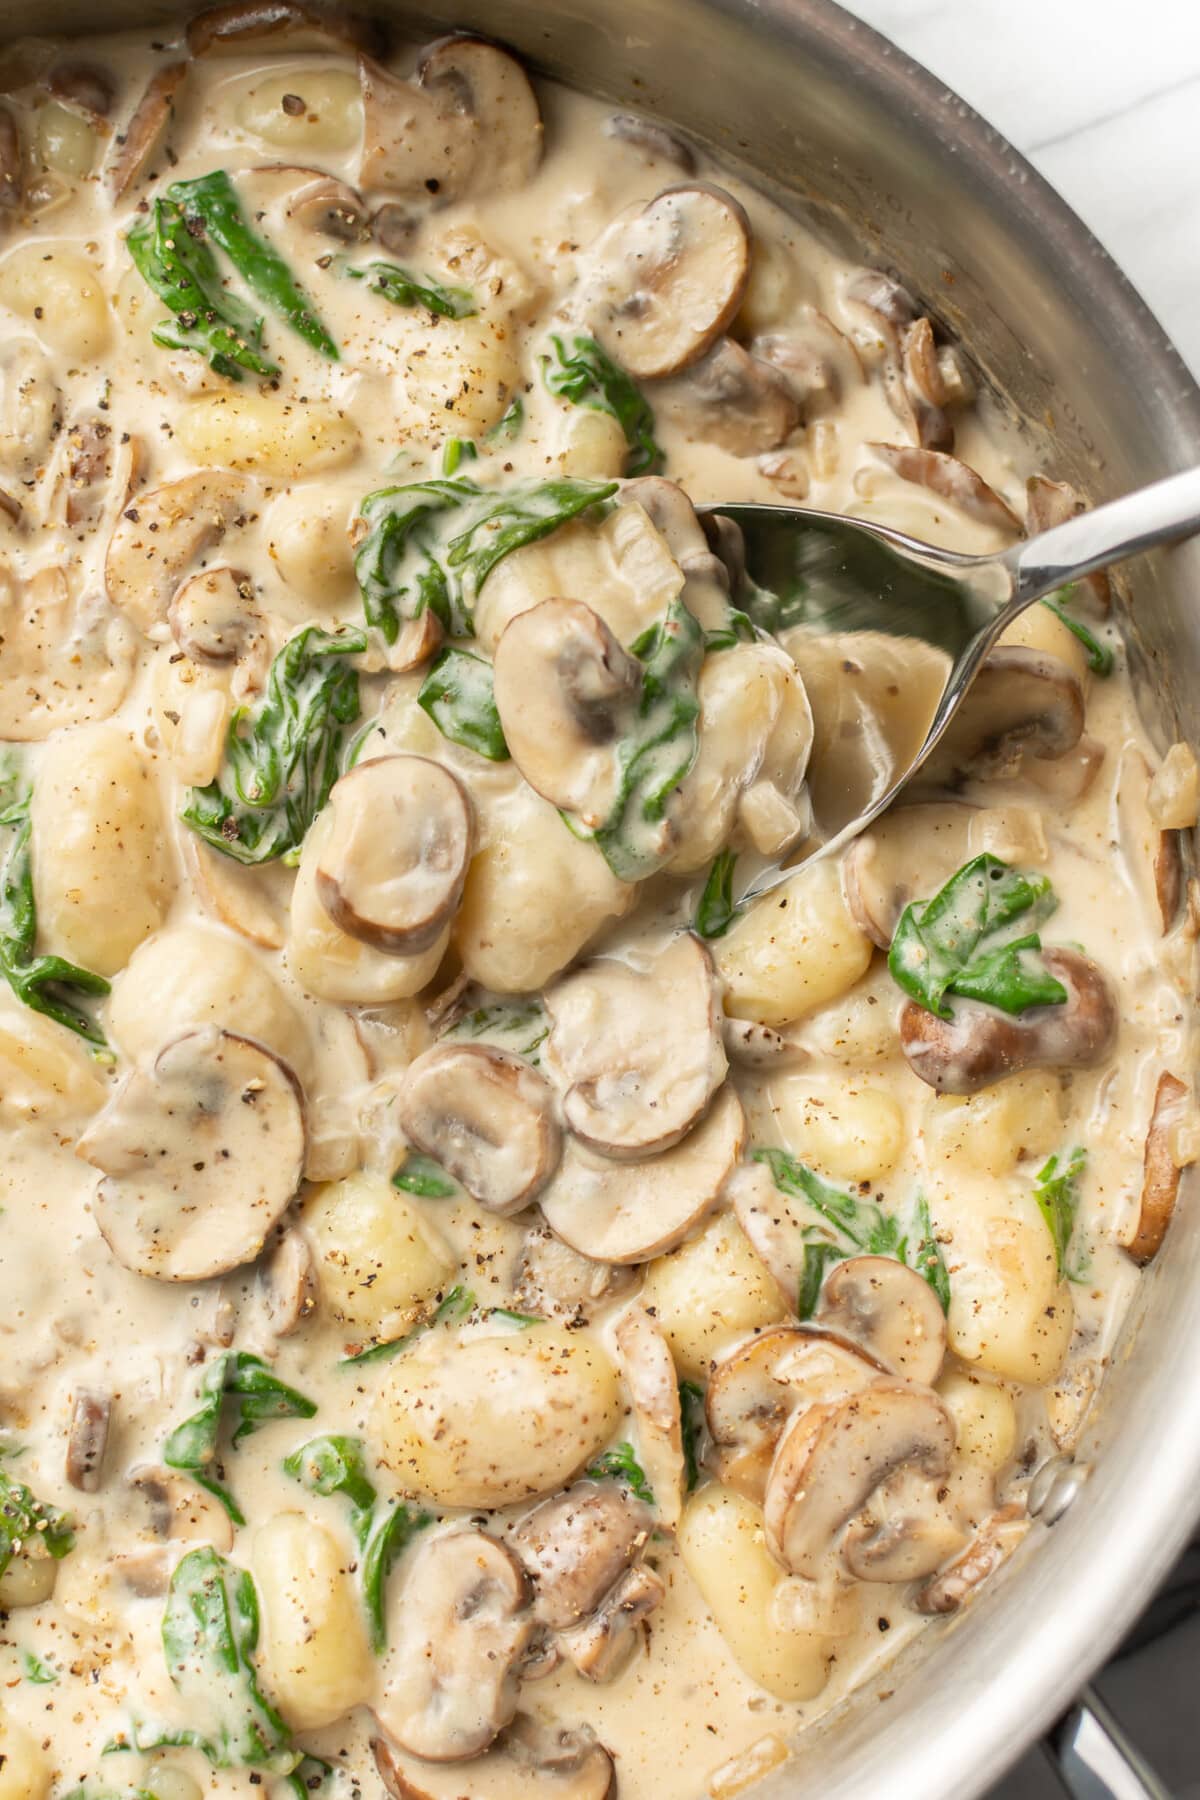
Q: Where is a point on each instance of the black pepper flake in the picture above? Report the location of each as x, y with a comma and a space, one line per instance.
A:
292, 105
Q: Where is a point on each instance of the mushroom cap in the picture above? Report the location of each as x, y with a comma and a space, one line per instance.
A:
395, 856
212, 616
906, 1532
980, 1045
831, 1459
577, 1545
134, 147
1154, 857
950, 480
1022, 702
732, 399
756, 1389
991, 1545
603, 1644
486, 88
242, 27
890, 1310
566, 692
461, 1622
531, 1761
629, 1212
201, 1155
156, 539
329, 207
1160, 1172
668, 282
911, 851
638, 1053
488, 1118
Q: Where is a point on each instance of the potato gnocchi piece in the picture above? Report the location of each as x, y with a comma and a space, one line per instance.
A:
328, 116
61, 295
380, 1264
24, 1772
991, 1132
708, 1293
848, 1131
313, 1653
267, 435
794, 950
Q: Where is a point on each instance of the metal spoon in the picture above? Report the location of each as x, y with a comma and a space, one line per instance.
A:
849, 575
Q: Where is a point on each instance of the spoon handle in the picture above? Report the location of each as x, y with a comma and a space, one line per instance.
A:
1159, 514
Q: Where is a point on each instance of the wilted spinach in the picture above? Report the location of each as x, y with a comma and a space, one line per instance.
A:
403, 288
1056, 1190
956, 942
620, 1464
587, 376
208, 319
256, 1397
457, 694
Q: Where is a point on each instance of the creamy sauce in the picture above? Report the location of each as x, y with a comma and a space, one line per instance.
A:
115, 727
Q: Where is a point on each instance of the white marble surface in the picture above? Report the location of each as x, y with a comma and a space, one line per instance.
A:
1104, 98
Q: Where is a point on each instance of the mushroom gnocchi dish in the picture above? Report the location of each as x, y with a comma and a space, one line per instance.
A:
490, 1305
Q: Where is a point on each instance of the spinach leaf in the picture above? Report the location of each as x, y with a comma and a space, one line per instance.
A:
210, 206
283, 754
210, 1632
819, 1257
258, 1396
422, 1175
24, 1520
309, 1776
1099, 654
403, 288
523, 1020
941, 945
41, 1674
457, 695
516, 1318
587, 376
456, 1305
621, 1464
434, 543
716, 910
691, 1421
508, 429
926, 1256
1056, 1190
457, 451
656, 754
208, 320
46, 984
337, 1465
737, 628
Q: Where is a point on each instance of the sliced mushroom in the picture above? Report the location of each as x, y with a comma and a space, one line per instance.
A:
890, 1310
979, 1045
247, 27
251, 900
287, 1280
991, 1545
566, 692
756, 1389
552, 1279
604, 1644
394, 227
637, 1052
951, 480
652, 139
1049, 503
645, 1360
531, 1761
487, 1117
395, 857
1154, 857
667, 283
757, 1046
577, 1546
87, 1441
1160, 1170
157, 539
906, 1532
12, 168
330, 208
180, 1511
832, 1458
924, 387
83, 87
134, 147
213, 617
818, 362
1022, 703
459, 1629
200, 1156
732, 399
629, 1212
910, 852
895, 338
488, 92
89, 468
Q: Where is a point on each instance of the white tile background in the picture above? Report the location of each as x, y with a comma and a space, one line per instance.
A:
1104, 98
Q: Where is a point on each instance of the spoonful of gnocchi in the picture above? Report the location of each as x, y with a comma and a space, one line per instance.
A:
916, 629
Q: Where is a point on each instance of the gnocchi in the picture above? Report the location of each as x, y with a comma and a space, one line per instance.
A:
379, 1262
315, 1656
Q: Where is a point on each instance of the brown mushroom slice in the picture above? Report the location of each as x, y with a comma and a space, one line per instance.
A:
460, 1624
12, 168
487, 1117
552, 1279
287, 1280
630, 1212
531, 1761
648, 1368
1160, 1170
84, 88
1022, 703
213, 617
906, 1532
247, 27
653, 140
134, 147
992, 1544
577, 1545
1049, 503
156, 540
979, 1045
757, 1046
890, 1310
1154, 857
566, 692
329, 208
200, 1156
180, 1509
391, 869
732, 399
637, 1052
409, 148
831, 1459
756, 1389
668, 282
952, 481
604, 1644
87, 1441
486, 89
910, 852
818, 362
253, 901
